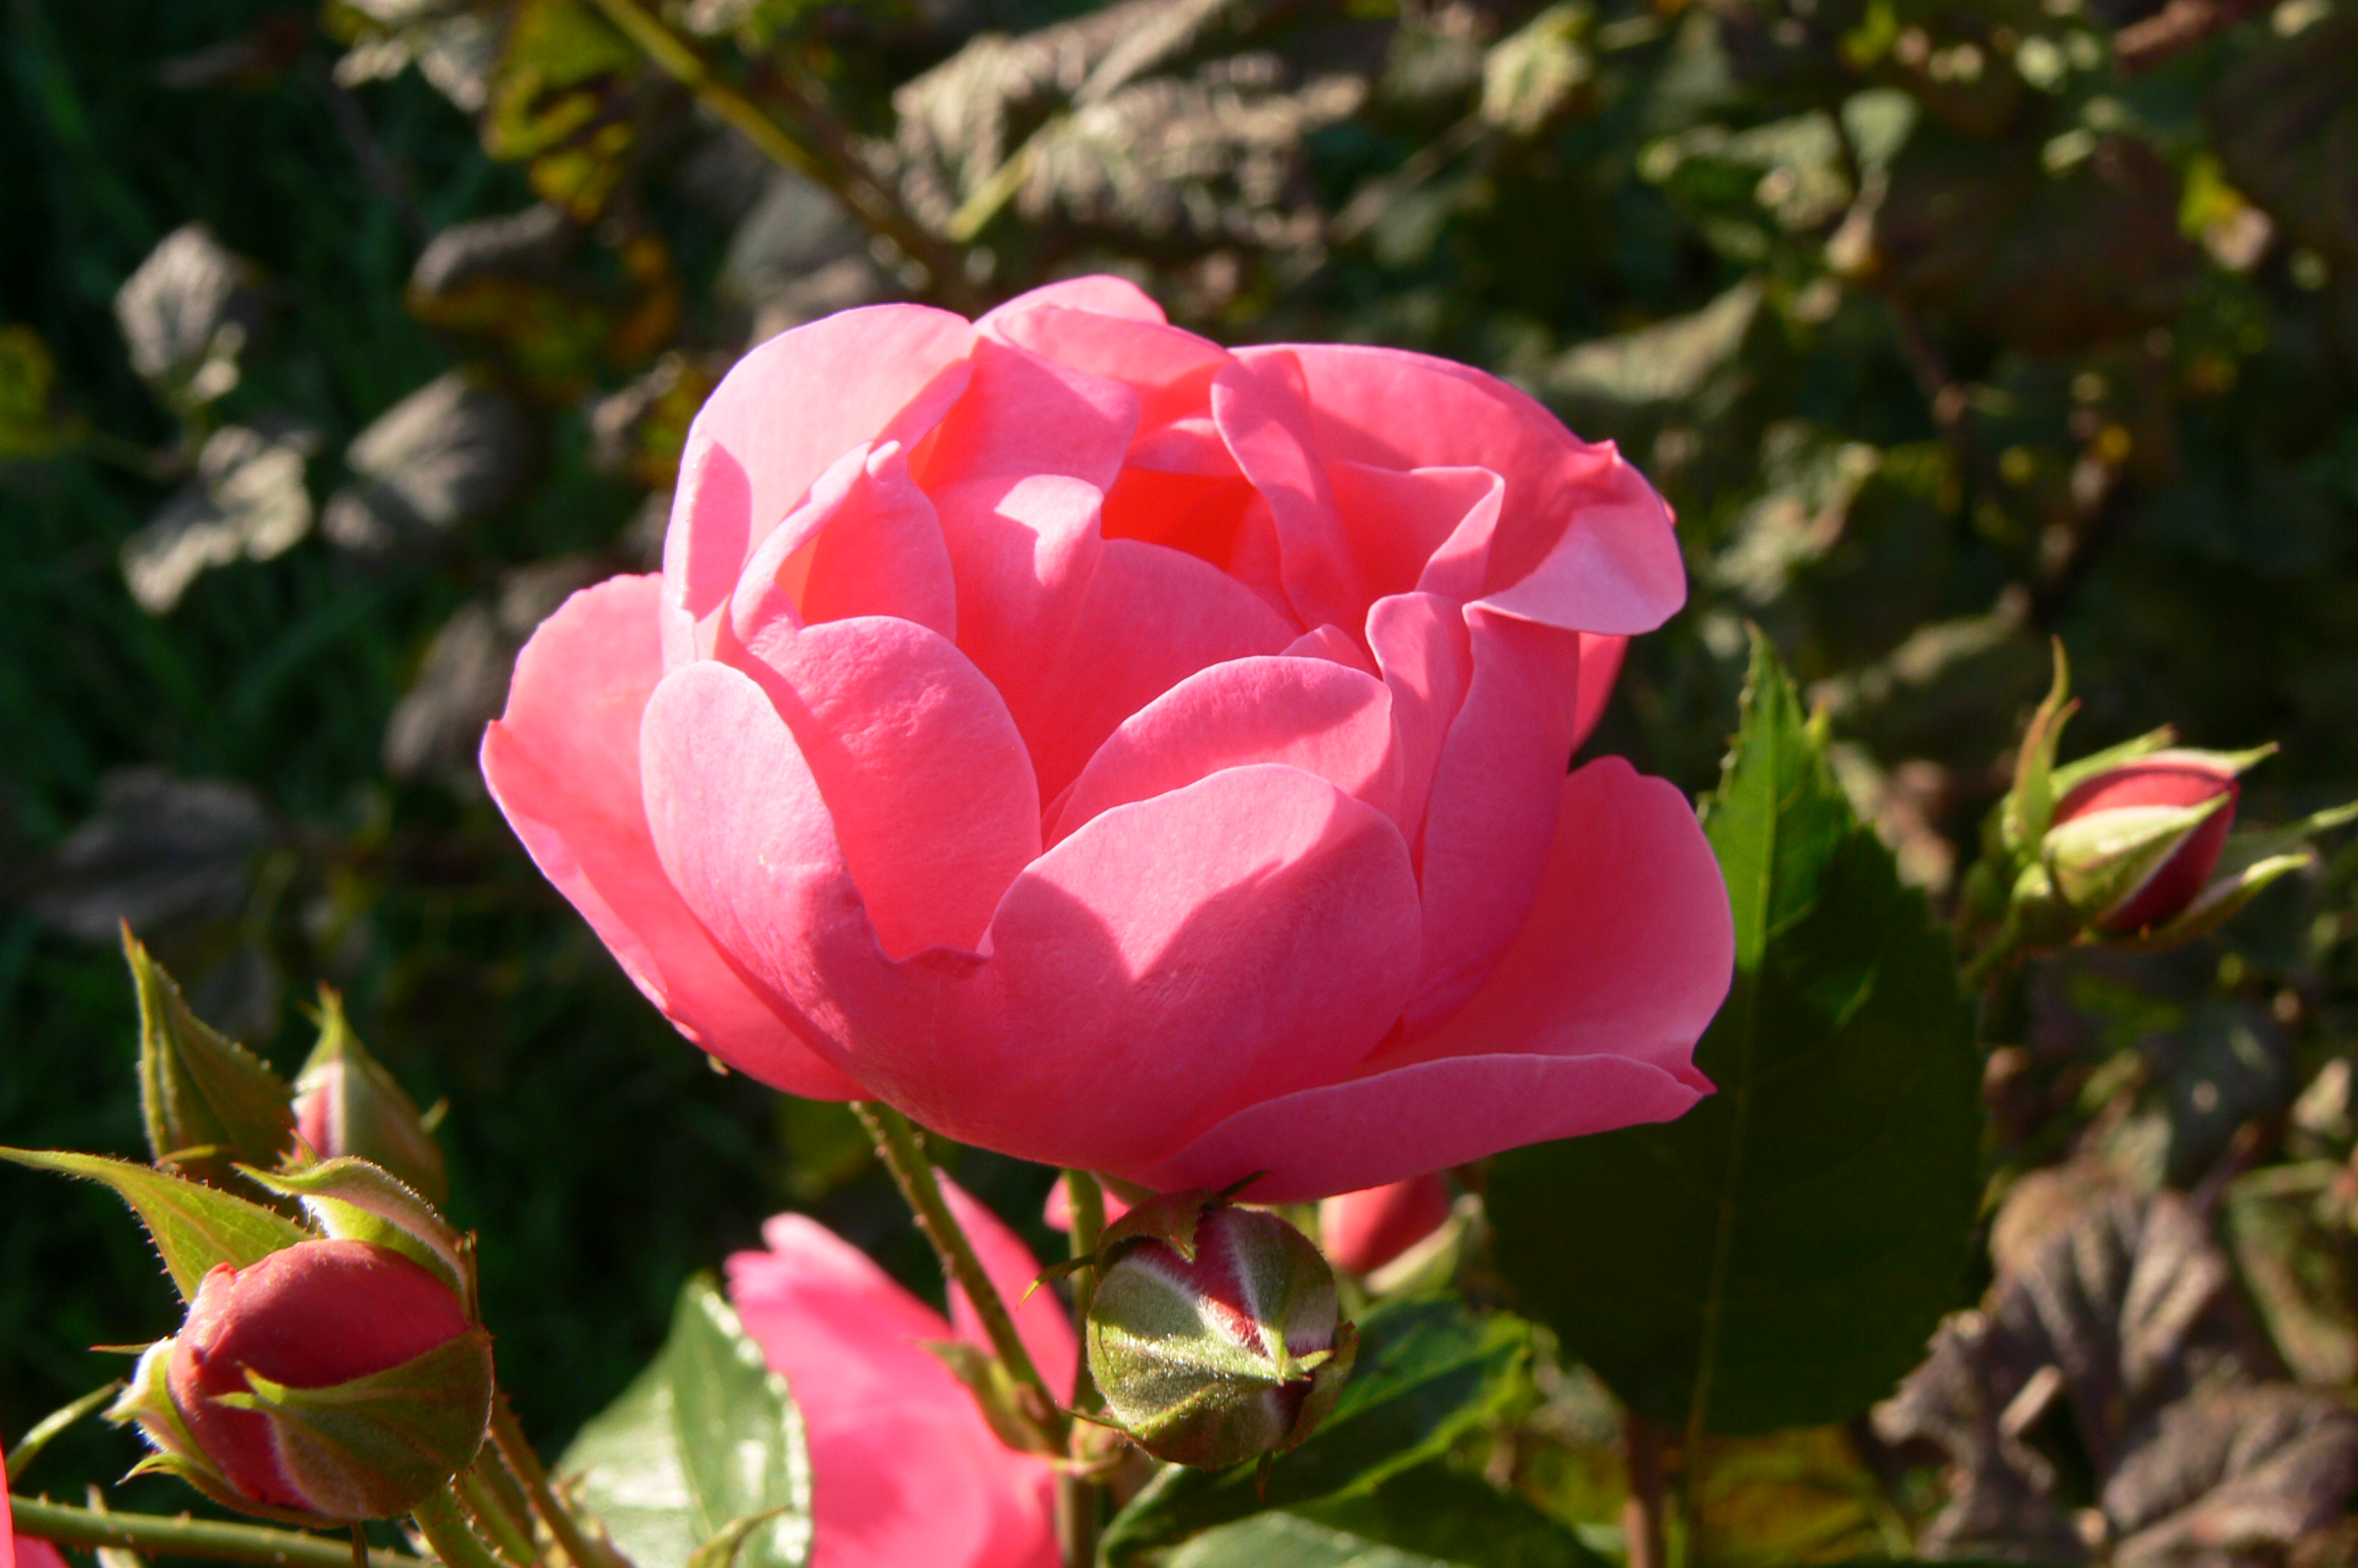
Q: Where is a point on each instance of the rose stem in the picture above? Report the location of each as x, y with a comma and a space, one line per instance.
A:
897, 1145
184, 1537
1079, 1498
443, 1522
484, 1503
508, 1438
1642, 1516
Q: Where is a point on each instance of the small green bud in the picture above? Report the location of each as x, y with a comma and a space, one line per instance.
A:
1215, 1334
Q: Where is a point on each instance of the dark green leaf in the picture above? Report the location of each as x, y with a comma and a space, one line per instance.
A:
1441, 1513
198, 1089
1776, 1256
1427, 1370
705, 1440
193, 1226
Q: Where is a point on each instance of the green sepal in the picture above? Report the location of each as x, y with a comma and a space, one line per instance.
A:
380, 1122
147, 1401
208, 1102
374, 1447
723, 1549
2029, 805
1010, 1409
351, 1200
2100, 861
194, 1227
2158, 746
2252, 859
1170, 1218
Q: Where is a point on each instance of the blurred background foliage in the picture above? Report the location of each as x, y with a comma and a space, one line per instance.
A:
339, 343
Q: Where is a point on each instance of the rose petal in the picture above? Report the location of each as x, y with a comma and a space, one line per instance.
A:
1600, 665
902, 1467
1174, 959
1366, 1229
563, 763
782, 414
926, 779
1100, 293
882, 553
1492, 811
1150, 618
1258, 406
1427, 658
1321, 717
1588, 1022
1586, 543
1171, 370
1423, 530
1023, 415
1039, 1320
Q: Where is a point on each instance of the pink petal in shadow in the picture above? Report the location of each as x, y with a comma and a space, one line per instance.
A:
867, 542
1258, 405
1418, 530
563, 763
1600, 665
1588, 1023
1427, 658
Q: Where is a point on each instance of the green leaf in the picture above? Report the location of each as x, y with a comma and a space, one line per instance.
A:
198, 1090
1427, 1372
193, 1226
1435, 1515
704, 1448
1776, 1256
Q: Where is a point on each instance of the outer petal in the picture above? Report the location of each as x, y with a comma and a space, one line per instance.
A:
1425, 530
865, 542
926, 779
1039, 1322
1493, 808
1171, 370
1586, 544
563, 762
1600, 665
1588, 1023
1427, 658
904, 1469
1324, 717
785, 412
1100, 293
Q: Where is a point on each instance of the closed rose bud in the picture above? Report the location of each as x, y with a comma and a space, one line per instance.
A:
1365, 1230
346, 1103
1216, 1341
2134, 846
331, 1380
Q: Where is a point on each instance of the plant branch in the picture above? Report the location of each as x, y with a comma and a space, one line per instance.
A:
511, 1536
850, 184
1642, 1527
443, 1521
1079, 1498
912, 1170
64, 1525
524, 1465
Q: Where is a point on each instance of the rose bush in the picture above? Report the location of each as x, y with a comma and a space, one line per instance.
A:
903, 1468
1132, 755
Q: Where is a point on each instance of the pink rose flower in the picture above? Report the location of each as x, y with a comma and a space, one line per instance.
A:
1363, 1232
903, 1468
1131, 755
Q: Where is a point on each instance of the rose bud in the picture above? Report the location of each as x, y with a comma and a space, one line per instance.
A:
1364, 1230
330, 1380
1215, 1334
346, 1103
2131, 848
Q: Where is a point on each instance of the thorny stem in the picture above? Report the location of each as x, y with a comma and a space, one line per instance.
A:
509, 1536
854, 187
913, 1171
443, 1522
516, 1453
64, 1525
2003, 947
1080, 1499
